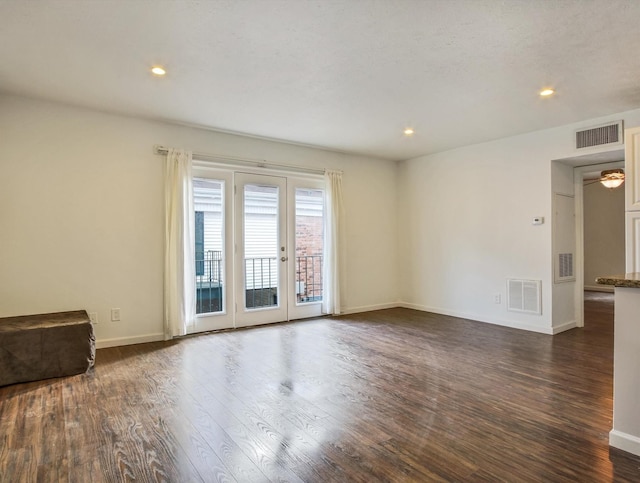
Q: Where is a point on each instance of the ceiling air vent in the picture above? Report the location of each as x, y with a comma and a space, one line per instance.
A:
604, 135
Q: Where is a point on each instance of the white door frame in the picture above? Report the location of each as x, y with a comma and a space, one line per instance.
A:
578, 182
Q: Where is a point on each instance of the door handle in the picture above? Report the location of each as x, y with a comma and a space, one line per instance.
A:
284, 259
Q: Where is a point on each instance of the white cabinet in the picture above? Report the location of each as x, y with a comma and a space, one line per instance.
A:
632, 198
632, 169
632, 226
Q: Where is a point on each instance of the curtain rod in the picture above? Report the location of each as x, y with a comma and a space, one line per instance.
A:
258, 163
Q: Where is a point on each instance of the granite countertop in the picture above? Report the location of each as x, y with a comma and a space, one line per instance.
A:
631, 280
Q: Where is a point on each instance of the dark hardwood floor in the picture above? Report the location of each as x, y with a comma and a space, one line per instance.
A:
392, 395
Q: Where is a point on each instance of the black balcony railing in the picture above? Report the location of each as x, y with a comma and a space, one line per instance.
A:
261, 281
309, 278
209, 282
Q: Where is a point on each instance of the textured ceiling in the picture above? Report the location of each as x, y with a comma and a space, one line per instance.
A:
347, 75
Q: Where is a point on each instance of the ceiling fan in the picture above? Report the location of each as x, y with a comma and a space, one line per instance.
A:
610, 178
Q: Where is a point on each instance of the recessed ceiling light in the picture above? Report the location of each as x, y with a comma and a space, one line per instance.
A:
546, 92
408, 131
159, 71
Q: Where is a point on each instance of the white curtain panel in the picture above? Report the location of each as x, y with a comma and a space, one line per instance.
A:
333, 246
179, 260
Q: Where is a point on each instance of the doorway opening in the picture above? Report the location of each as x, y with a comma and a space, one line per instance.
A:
569, 175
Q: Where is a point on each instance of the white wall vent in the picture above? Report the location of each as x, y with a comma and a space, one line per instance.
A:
565, 265
524, 296
604, 135
564, 238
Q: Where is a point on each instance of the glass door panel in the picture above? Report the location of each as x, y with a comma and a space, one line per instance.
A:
309, 244
211, 202
208, 205
307, 241
261, 257
260, 246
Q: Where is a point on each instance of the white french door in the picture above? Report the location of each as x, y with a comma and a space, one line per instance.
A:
213, 205
305, 221
261, 254
259, 248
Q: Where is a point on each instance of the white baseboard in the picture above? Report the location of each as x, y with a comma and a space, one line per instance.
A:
462, 315
369, 308
625, 442
562, 327
140, 339
598, 288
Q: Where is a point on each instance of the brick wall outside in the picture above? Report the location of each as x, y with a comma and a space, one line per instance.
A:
309, 242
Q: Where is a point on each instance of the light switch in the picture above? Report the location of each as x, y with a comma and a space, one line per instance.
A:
115, 315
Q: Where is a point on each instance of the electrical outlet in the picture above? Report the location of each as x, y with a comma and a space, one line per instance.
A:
93, 316
115, 315
497, 298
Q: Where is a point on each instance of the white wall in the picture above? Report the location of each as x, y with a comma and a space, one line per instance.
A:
465, 218
81, 213
563, 302
604, 234
81, 218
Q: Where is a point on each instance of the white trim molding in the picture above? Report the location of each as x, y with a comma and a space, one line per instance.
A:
120, 341
476, 318
369, 308
564, 327
625, 442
